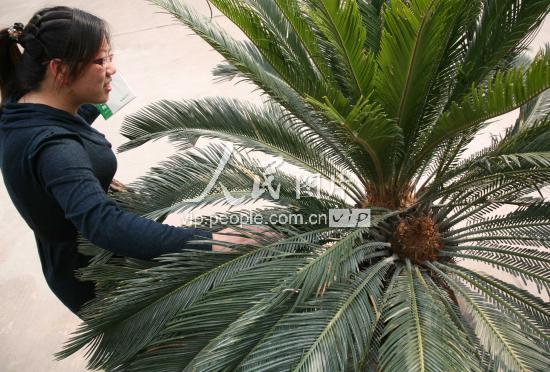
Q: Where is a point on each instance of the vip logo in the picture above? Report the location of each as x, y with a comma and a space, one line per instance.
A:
349, 217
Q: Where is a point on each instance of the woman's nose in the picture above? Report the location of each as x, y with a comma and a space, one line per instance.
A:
111, 68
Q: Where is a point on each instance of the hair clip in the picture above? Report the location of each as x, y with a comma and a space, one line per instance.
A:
15, 31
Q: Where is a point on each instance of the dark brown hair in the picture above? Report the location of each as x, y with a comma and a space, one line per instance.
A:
72, 35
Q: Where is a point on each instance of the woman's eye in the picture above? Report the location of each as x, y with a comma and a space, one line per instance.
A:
104, 60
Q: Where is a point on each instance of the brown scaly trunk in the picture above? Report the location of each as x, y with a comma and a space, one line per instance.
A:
387, 197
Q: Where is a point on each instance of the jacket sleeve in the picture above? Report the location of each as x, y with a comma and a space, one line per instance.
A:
64, 169
88, 112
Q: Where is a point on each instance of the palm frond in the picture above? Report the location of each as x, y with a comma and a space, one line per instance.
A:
321, 272
248, 329
298, 24
191, 180
374, 132
493, 180
515, 303
522, 268
189, 340
246, 125
419, 334
247, 58
322, 333
414, 38
261, 33
371, 11
507, 91
536, 111
287, 26
117, 322
341, 24
370, 357
505, 340
489, 51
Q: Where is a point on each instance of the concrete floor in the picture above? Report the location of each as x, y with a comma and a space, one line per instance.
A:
160, 59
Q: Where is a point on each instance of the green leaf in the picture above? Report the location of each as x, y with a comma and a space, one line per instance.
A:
489, 51
320, 335
371, 11
124, 326
505, 92
414, 38
341, 24
515, 302
506, 341
419, 333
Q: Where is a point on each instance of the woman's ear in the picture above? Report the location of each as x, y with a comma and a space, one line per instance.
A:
59, 71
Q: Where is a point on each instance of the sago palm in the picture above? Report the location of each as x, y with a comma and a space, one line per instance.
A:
381, 99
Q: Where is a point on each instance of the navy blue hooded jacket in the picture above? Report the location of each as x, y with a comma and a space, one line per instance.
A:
57, 170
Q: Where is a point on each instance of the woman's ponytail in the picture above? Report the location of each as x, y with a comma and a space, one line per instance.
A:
9, 57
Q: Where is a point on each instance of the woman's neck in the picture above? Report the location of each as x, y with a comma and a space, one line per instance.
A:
54, 100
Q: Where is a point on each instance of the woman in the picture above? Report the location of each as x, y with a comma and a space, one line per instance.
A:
55, 166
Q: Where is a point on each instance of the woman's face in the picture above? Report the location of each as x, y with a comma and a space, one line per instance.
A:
94, 83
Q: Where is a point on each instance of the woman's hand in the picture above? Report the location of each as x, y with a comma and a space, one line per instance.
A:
232, 236
117, 186
229, 235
